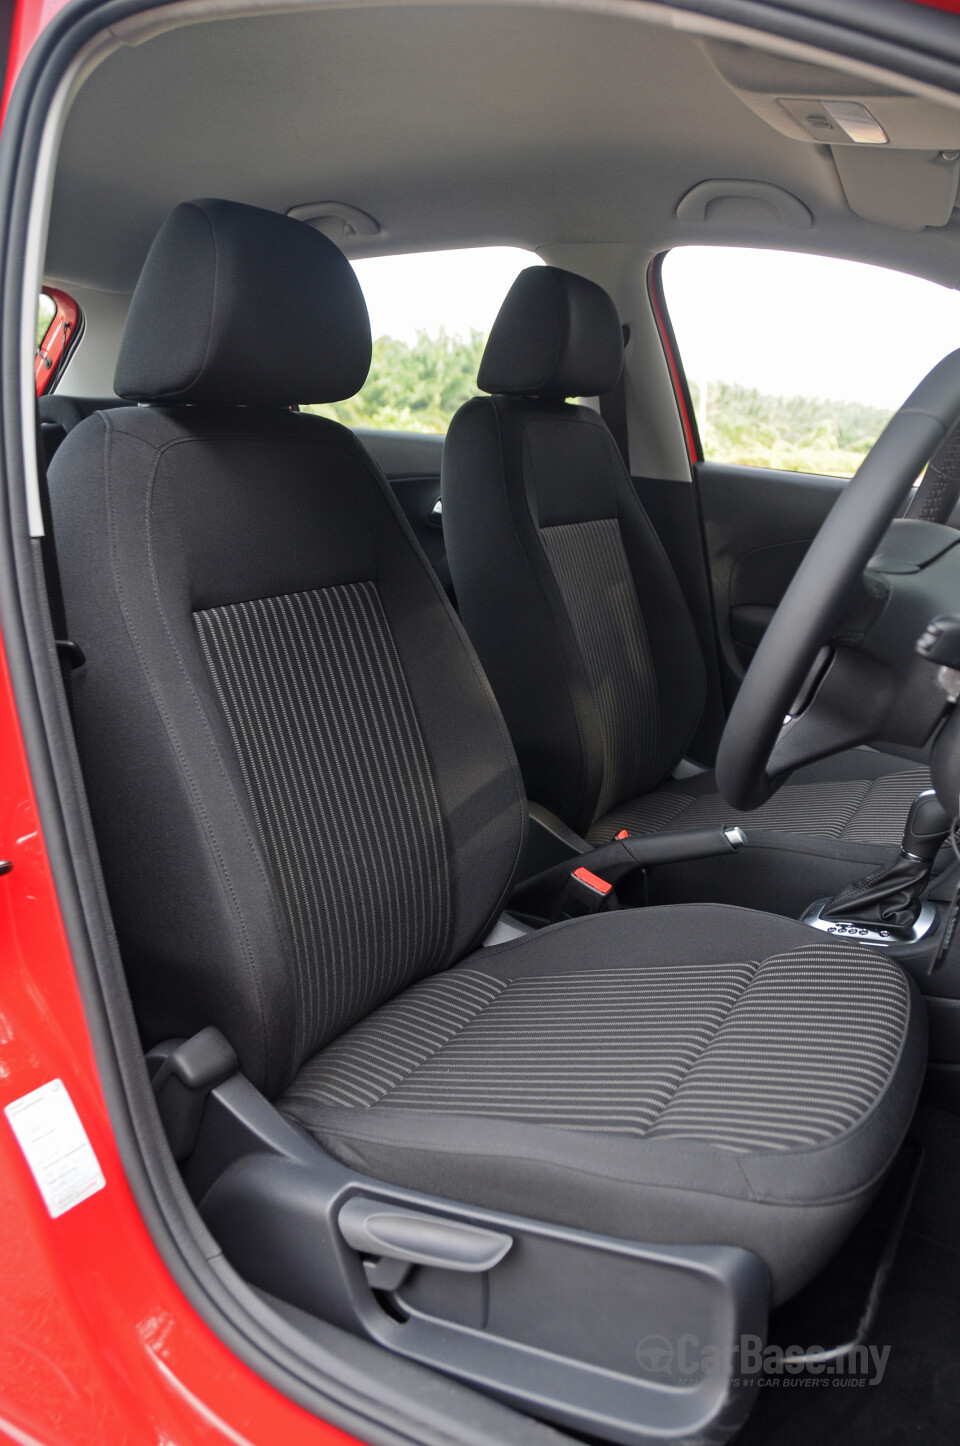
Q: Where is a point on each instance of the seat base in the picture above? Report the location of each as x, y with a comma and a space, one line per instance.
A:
688, 1075
273, 1199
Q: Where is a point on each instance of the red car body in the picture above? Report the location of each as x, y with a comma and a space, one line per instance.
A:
98, 1344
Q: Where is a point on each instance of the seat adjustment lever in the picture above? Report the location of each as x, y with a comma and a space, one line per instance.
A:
378, 1228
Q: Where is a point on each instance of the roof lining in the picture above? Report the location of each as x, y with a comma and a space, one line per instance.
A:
358, 185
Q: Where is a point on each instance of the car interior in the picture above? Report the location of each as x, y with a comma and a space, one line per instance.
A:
528, 851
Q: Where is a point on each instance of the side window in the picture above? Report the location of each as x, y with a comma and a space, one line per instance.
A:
797, 362
430, 314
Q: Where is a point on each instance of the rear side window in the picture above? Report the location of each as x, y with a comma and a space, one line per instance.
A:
430, 314
797, 362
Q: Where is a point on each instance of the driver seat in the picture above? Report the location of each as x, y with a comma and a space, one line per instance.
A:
580, 624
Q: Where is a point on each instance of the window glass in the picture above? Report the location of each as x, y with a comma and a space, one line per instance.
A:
46, 310
797, 362
430, 315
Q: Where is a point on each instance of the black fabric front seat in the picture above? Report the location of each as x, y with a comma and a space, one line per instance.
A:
309, 814
584, 633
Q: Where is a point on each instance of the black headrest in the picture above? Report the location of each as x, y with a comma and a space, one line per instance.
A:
236, 305
556, 335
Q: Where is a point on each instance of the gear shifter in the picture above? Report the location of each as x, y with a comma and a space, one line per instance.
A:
888, 902
926, 828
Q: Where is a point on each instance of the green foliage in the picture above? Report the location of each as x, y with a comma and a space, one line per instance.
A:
418, 387
413, 388
793, 434
45, 313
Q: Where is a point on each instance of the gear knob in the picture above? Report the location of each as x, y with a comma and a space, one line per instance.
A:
926, 828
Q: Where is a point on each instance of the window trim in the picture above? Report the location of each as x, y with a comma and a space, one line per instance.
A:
671, 353
59, 339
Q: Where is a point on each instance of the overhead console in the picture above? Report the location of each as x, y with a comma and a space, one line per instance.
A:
897, 155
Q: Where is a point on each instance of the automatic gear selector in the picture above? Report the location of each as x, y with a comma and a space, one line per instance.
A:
887, 907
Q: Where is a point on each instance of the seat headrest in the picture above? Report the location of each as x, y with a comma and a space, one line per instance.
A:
556, 335
240, 306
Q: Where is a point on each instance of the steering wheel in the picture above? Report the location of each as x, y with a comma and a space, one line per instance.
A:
808, 616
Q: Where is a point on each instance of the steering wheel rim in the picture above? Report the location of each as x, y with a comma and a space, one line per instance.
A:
939, 491
847, 540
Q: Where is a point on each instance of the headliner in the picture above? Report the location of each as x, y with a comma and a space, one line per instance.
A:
466, 125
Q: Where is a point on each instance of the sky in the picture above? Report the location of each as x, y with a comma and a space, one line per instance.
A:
455, 289
787, 324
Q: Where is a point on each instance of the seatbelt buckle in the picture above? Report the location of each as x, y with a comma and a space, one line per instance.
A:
621, 835
584, 894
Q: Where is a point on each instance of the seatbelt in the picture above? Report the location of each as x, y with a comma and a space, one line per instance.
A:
69, 655
613, 410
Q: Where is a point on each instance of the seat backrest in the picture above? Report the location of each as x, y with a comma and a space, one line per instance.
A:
60, 414
561, 580
303, 792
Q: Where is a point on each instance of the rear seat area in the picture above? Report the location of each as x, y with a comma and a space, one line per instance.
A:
59, 415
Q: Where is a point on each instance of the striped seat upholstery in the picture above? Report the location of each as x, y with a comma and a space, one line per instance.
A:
593, 577
695, 1068
718, 1053
297, 676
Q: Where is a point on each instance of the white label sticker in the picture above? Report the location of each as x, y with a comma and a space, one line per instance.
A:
50, 1134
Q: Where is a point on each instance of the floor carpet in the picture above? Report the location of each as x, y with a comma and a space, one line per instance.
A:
917, 1398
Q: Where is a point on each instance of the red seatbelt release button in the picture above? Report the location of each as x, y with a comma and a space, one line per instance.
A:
593, 881
585, 893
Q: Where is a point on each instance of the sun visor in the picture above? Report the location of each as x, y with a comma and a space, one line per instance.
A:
907, 189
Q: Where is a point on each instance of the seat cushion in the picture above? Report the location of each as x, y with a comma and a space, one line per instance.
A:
698, 1074
861, 809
